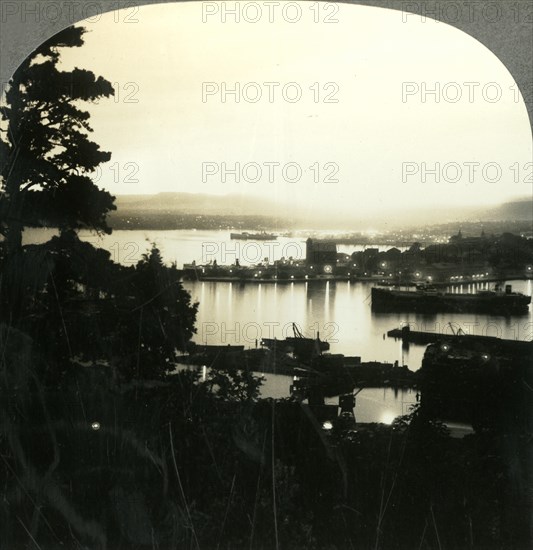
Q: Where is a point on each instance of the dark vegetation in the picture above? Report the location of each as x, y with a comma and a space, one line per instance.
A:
103, 445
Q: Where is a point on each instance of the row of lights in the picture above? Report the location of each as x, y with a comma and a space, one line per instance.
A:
476, 276
417, 274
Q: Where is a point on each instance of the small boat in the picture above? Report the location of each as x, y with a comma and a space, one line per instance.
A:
426, 299
245, 236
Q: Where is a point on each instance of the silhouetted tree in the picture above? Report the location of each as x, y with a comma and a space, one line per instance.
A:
45, 150
154, 317
75, 302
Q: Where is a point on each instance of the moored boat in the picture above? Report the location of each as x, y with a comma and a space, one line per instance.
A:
431, 300
245, 236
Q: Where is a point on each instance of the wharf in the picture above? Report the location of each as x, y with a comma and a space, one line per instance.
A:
423, 338
337, 372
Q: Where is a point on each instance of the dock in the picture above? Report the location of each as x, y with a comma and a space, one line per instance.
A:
424, 338
303, 360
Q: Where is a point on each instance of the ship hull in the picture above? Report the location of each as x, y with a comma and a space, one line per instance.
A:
253, 236
385, 300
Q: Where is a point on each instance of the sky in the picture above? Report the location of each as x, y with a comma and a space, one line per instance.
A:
365, 135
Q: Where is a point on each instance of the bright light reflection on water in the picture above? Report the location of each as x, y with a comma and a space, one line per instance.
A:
387, 417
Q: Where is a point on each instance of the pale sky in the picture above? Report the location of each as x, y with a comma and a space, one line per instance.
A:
163, 60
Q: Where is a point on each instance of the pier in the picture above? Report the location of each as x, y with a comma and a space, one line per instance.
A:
425, 337
302, 358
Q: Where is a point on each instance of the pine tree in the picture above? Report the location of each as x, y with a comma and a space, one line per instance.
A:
46, 155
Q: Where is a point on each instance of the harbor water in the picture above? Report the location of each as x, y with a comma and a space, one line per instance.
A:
338, 312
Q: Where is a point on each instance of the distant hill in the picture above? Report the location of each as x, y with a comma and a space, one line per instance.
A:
196, 203
517, 210
182, 209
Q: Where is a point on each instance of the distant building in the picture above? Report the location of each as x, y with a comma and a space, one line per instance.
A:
456, 238
320, 252
471, 248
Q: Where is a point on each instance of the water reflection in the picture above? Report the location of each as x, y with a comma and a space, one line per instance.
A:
371, 404
340, 312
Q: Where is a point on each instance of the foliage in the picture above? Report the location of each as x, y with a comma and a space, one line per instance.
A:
80, 307
173, 465
47, 156
234, 384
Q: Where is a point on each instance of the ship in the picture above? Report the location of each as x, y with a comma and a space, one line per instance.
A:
245, 236
425, 299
